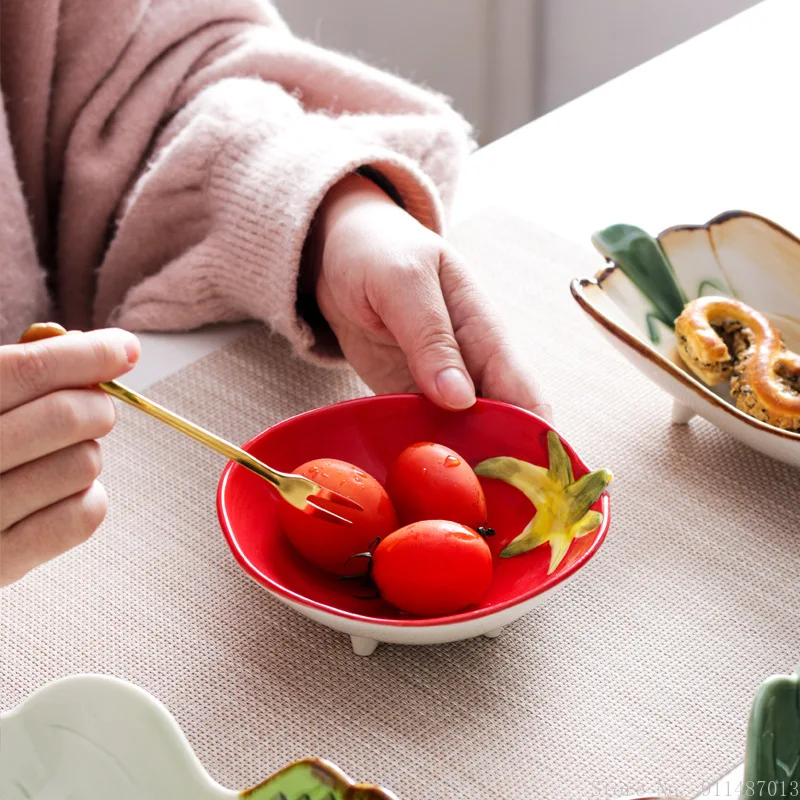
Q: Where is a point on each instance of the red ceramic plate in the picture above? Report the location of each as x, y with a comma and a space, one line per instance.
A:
370, 433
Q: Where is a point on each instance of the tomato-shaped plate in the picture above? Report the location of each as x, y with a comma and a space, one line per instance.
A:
370, 433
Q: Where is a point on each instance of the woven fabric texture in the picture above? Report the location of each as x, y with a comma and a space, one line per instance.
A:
636, 677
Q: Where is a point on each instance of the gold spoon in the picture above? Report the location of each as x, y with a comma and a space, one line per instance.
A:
295, 489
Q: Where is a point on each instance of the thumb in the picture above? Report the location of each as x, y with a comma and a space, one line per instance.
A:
415, 313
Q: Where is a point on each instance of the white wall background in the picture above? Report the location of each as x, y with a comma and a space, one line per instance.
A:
481, 53
584, 43
506, 61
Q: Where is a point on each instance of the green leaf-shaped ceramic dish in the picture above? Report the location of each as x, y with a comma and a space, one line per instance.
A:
96, 738
636, 298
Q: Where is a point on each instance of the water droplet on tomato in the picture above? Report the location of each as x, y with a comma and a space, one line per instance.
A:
452, 461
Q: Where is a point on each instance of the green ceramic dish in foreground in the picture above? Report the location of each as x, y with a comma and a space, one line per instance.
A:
636, 298
313, 779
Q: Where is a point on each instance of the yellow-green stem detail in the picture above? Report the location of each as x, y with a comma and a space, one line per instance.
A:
563, 505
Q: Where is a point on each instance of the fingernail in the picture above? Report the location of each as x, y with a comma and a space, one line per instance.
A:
132, 348
455, 388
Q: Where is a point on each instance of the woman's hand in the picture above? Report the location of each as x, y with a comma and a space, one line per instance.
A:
405, 310
50, 499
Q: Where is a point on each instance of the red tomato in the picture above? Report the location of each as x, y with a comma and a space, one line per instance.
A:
432, 568
329, 545
431, 481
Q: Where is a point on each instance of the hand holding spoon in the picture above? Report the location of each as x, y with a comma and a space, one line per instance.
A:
295, 489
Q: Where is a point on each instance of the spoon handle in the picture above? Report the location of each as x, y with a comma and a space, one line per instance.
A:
230, 451
44, 330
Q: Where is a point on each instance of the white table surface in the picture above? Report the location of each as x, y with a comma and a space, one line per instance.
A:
711, 125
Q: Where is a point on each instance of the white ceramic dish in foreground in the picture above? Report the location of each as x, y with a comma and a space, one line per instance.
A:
92, 737
738, 254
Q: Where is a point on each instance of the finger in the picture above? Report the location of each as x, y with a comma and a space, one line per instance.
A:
31, 487
496, 367
51, 532
28, 371
53, 422
414, 311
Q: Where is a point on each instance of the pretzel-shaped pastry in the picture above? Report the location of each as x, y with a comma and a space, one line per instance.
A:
722, 339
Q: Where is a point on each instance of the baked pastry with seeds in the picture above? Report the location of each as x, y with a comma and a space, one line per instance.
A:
721, 339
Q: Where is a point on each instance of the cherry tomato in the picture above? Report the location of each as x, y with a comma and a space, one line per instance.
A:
432, 568
327, 544
431, 481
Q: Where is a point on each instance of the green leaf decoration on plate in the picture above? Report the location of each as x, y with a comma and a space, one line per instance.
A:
563, 505
641, 258
312, 779
772, 760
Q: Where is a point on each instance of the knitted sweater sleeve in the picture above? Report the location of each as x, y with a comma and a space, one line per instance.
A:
212, 225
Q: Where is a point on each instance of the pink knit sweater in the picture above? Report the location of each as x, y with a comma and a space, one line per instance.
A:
161, 161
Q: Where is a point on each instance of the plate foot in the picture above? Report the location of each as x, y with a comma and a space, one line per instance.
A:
363, 646
681, 414
493, 634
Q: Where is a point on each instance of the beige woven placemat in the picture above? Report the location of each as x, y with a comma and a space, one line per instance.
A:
638, 676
